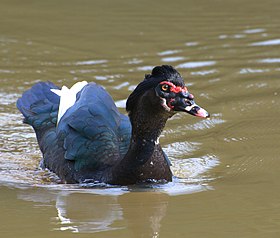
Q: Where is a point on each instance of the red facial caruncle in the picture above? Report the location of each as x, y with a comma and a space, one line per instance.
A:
169, 103
173, 88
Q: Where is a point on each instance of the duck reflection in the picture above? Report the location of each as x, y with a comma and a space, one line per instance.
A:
138, 213
143, 212
86, 212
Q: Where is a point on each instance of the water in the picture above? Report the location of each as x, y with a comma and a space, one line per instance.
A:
227, 167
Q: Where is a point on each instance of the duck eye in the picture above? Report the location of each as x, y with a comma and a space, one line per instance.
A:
164, 87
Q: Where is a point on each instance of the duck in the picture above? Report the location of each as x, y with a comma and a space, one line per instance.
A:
85, 139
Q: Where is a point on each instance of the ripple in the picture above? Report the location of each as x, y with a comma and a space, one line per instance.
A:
269, 60
108, 77
197, 64
134, 61
256, 85
194, 43
204, 72
6, 71
266, 43
252, 71
254, 31
145, 68
194, 168
177, 149
83, 71
8, 98
223, 37
233, 139
234, 36
91, 62
121, 103
169, 52
122, 85
101, 77
239, 36
205, 124
8, 40
172, 59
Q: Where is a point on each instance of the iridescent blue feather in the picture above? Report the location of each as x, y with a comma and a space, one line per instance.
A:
91, 134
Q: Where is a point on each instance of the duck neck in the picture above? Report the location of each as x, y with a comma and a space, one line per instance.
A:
146, 129
146, 126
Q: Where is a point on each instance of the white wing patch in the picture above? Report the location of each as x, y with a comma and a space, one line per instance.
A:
67, 97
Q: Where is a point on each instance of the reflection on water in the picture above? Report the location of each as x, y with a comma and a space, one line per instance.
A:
226, 167
270, 61
198, 64
267, 43
95, 218
91, 62
80, 210
172, 59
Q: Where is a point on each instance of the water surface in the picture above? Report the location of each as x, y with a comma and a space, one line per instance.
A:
227, 168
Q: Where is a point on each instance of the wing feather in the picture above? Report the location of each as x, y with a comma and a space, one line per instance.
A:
95, 133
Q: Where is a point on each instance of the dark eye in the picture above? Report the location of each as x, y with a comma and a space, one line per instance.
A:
165, 87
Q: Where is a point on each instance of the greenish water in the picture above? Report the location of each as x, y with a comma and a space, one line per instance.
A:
228, 166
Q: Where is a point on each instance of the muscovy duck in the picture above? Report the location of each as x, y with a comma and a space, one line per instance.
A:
84, 138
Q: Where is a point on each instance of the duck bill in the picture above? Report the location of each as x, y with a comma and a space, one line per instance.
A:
184, 102
197, 111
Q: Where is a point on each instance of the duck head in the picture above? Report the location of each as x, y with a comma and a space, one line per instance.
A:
164, 90
177, 98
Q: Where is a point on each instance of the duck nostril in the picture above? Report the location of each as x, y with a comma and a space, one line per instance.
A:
188, 95
188, 103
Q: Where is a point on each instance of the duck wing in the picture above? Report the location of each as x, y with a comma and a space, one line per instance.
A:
91, 136
95, 134
39, 107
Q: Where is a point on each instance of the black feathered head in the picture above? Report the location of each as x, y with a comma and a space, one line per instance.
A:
159, 74
170, 88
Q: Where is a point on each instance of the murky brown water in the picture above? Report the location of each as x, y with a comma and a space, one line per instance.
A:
228, 166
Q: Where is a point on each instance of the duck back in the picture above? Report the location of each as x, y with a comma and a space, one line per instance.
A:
90, 137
